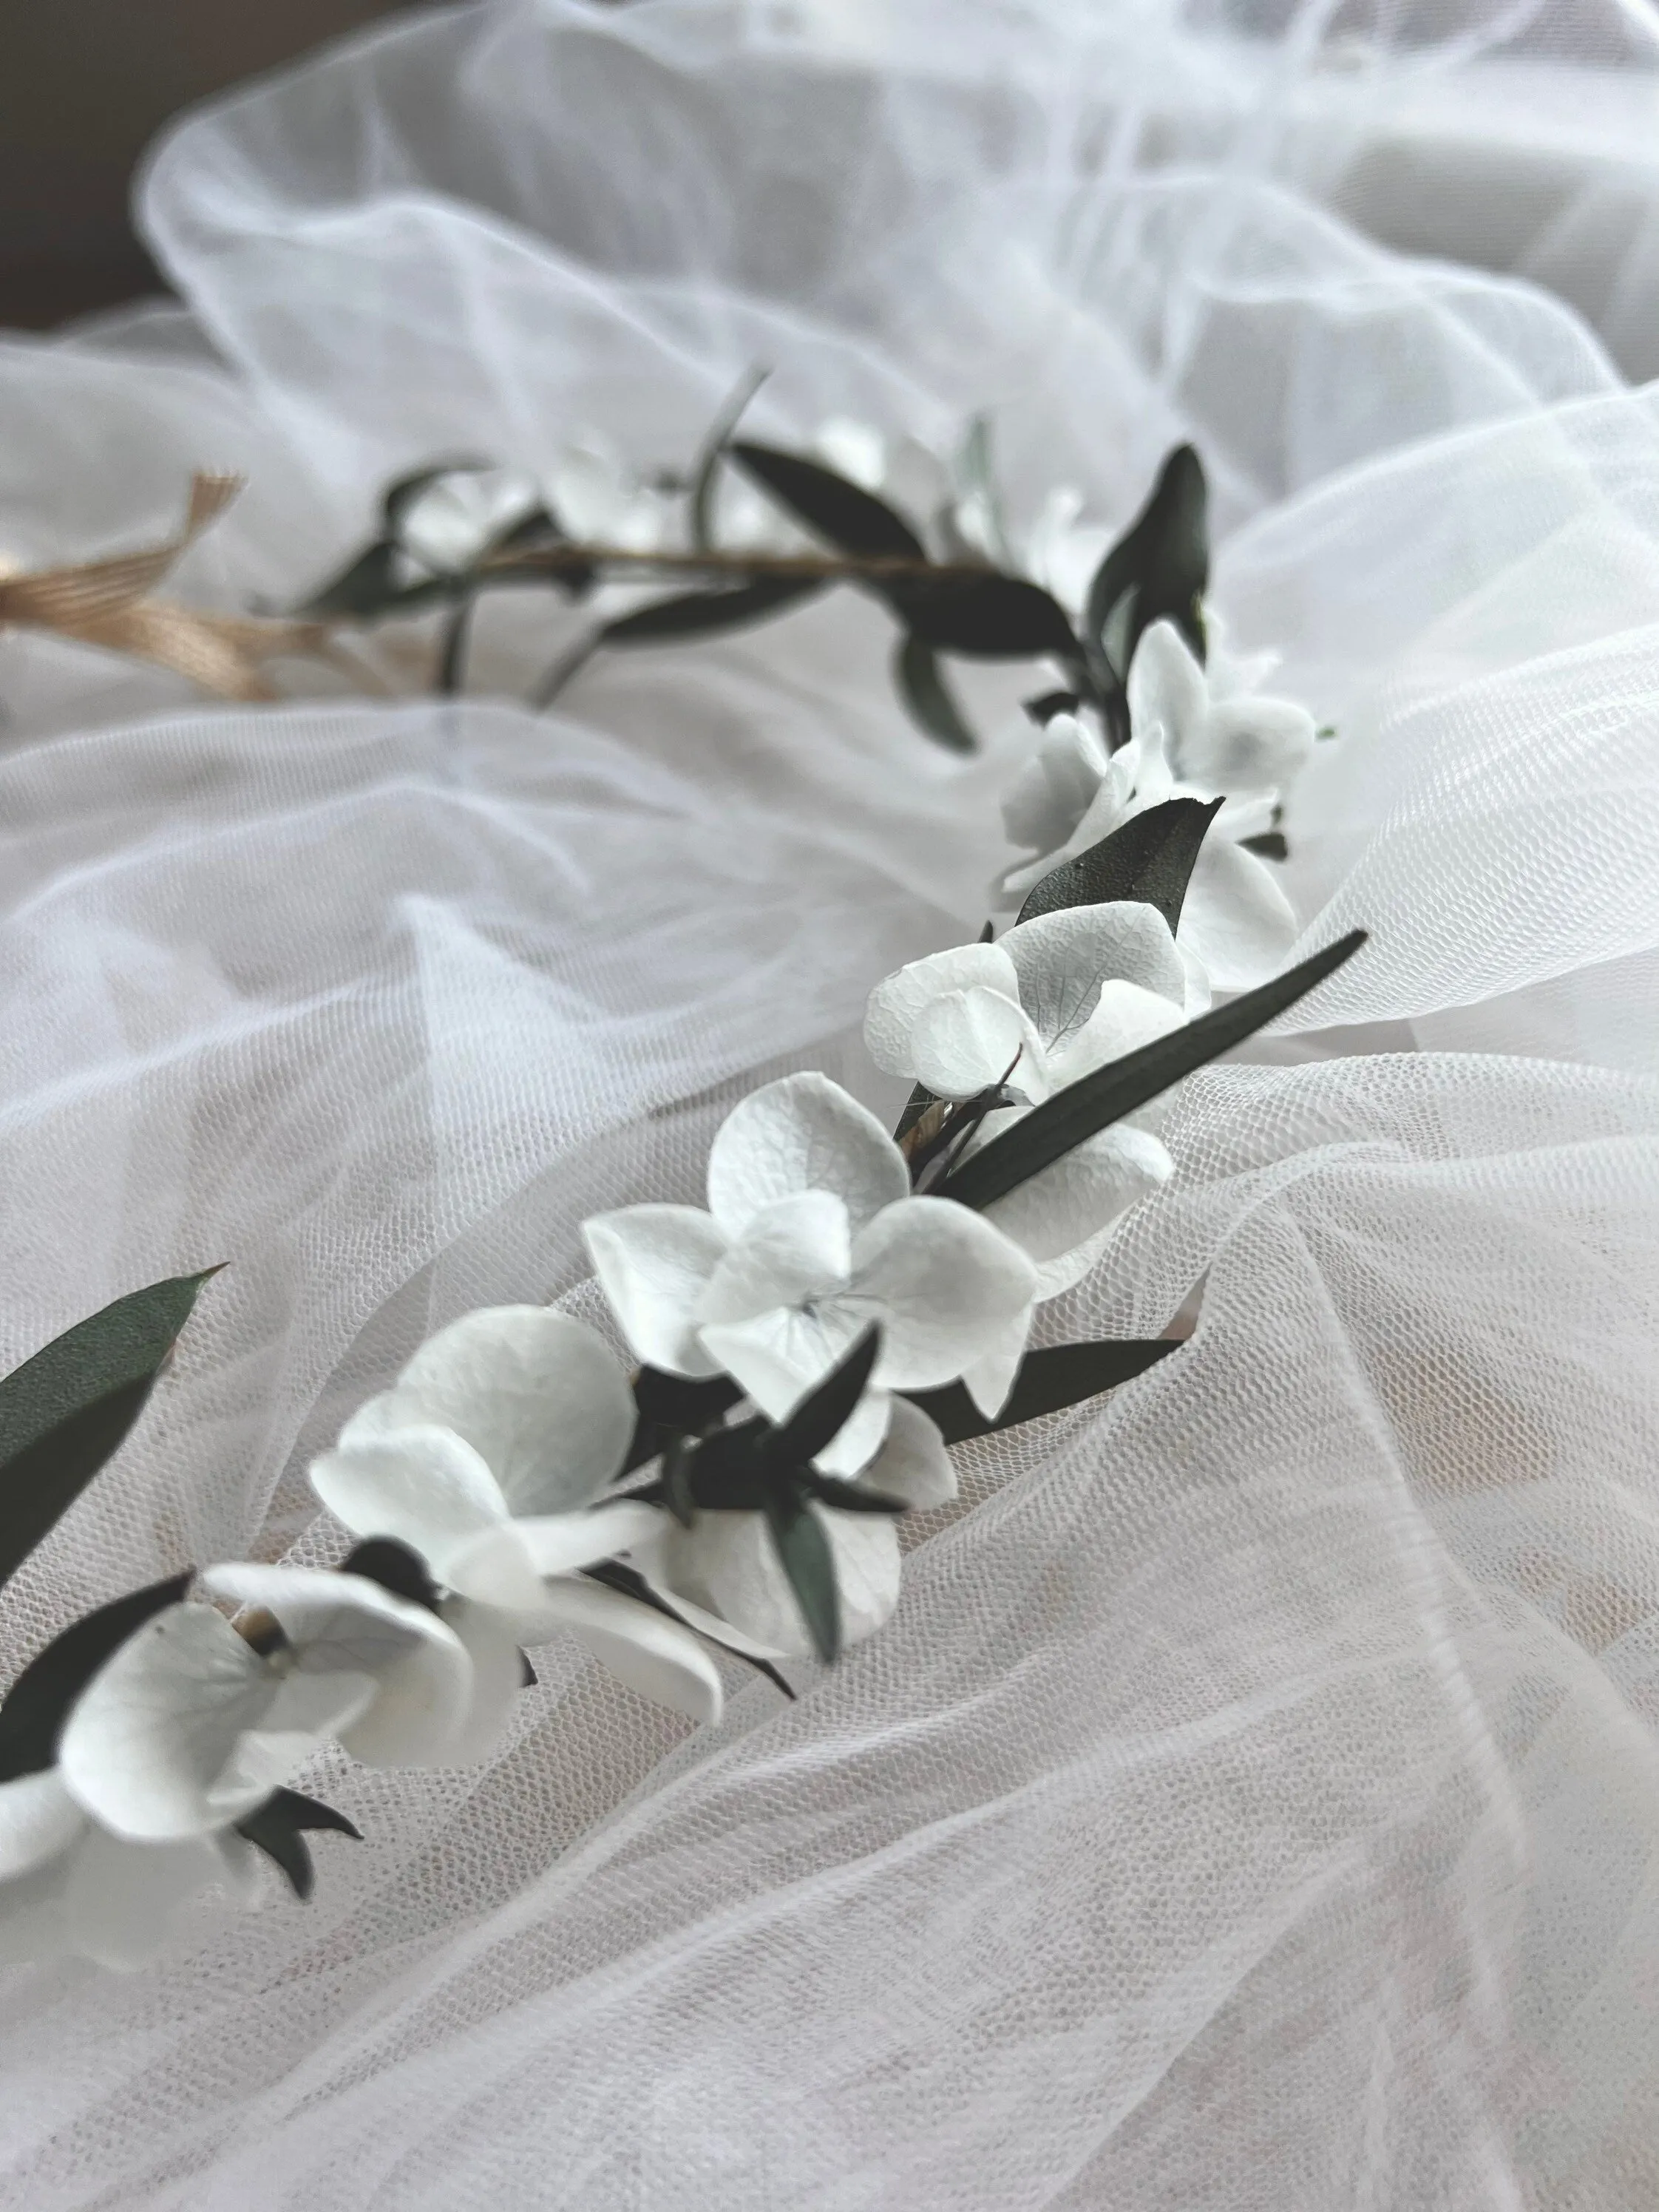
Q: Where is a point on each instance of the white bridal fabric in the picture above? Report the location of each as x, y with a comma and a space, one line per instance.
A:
1254, 1802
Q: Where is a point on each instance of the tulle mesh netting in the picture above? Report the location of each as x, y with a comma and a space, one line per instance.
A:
1254, 1802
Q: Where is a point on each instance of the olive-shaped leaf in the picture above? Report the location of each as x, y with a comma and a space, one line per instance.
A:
850, 517
699, 614
66, 1411
921, 684
1158, 568
989, 618
278, 1829
1071, 1117
1150, 857
802, 1543
1049, 1381
828, 1407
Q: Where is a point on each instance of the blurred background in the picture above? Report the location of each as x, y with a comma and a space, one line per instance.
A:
84, 85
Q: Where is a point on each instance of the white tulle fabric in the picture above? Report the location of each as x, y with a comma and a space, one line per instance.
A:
1254, 1802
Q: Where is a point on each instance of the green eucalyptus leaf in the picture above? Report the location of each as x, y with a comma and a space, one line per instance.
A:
278, 1828
802, 1543
699, 614
826, 1409
1270, 844
367, 584
68, 1409
396, 1567
1158, 568
401, 494
1049, 1381
38, 1703
1042, 709
1151, 857
921, 684
989, 618
850, 517
670, 1405
1071, 1117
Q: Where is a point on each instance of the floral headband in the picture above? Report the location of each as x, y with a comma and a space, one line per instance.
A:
847, 1306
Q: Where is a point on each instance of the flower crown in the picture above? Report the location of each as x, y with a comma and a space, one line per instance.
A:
847, 1306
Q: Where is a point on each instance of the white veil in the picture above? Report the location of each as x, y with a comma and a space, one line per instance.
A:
1255, 1800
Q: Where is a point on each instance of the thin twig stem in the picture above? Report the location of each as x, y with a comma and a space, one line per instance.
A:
543, 560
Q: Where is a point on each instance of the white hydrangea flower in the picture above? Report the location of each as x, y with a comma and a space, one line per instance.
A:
1188, 740
722, 1575
188, 1726
811, 1234
69, 1887
1051, 1001
449, 523
490, 1457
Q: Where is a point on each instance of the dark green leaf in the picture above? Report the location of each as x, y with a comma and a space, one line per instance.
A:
1269, 843
989, 618
707, 472
922, 685
278, 1827
1049, 1381
852, 519
367, 584
1151, 857
66, 1411
1071, 1117
802, 1543
616, 1577
851, 1497
672, 1406
697, 614
38, 1703
1159, 568
1042, 709
395, 1567
452, 654
826, 1411
402, 493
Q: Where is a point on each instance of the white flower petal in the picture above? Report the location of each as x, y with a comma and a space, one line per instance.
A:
539, 1397
1236, 919
643, 1648
944, 1284
801, 1132
564, 1543
38, 1819
993, 1375
1167, 688
1082, 1193
185, 1727
1125, 1018
794, 1251
653, 1263
426, 1486
777, 1356
1055, 791
727, 1567
341, 1623
1062, 960
913, 1464
491, 1639
496, 1569
1248, 745
967, 1041
899, 1002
